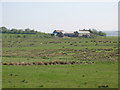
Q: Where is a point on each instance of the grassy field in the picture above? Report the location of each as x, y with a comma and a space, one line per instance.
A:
33, 48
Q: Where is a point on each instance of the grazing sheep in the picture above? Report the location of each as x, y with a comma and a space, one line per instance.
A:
57, 62
50, 63
53, 63
33, 63
61, 62
10, 63
23, 63
40, 63
5, 63
72, 62
36, 63
65, 63
14, 63
45, 63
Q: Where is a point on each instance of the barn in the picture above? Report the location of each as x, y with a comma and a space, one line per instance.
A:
69, 34
56, 32
84, 33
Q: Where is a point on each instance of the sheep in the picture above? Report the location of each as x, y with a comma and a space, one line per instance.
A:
40, 63
5, 63
50, 63
46, 63
10, 63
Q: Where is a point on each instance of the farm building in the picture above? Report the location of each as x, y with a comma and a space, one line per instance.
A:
80, 33
84, 33
56, 32
69, 35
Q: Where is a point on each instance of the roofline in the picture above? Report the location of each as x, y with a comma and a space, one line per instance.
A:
84, 30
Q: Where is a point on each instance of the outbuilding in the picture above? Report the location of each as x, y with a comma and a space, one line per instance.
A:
84, 33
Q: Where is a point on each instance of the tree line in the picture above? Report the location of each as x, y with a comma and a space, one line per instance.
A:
17, 31
24, 32
97, 33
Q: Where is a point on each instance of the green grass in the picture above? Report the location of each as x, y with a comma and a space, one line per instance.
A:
0, 76
102, 50
61, 76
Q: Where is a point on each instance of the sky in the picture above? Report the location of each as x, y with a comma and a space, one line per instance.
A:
67, 16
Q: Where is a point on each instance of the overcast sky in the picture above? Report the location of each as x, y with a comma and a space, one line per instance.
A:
68, 16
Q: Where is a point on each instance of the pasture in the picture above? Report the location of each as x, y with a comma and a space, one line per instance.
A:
103, 51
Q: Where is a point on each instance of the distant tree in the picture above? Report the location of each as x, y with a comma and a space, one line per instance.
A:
97, 33
27, 30
4, 29
101, 33
32, 31
21, 31
76, 33
94, 31
13, 30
